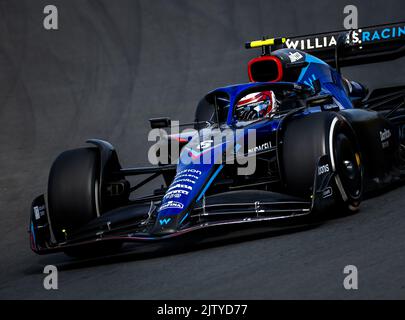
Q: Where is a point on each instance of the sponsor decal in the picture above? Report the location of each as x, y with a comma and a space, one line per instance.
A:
172, 195
184, 180
264, 146
328, 107
175, 194
355, 37
384, 34
328, 192
205, 147
171, 205
180, 186
192, 171
311, 43
384, 136
39, 211
295, 56
205, 144
181, 176
323, 169
36, 213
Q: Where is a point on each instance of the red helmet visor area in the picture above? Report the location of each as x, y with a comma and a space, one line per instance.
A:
265, 69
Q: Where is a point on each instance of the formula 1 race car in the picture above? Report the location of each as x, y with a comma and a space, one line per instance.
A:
320, 143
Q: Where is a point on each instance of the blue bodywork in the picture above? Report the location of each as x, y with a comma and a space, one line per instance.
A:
192, 180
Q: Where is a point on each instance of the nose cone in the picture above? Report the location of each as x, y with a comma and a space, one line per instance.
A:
198, 167
166, 225
188, 184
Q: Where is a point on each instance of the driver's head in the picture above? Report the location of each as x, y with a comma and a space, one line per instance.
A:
257, 105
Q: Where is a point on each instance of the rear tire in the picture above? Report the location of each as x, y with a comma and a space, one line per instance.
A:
73, 191
307, 139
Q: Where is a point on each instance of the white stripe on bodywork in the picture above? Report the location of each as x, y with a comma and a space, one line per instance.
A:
332, 159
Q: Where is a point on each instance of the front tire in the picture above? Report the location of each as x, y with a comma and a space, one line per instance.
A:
73, 191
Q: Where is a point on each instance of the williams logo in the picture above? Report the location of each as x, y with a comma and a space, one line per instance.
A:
311, 43
356, 37
164, 221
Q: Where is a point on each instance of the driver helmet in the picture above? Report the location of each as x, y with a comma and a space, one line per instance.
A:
257, 105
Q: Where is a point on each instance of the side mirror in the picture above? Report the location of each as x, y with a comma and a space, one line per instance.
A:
321, 100
158, 123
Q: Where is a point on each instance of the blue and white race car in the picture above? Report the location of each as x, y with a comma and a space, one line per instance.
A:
295, 142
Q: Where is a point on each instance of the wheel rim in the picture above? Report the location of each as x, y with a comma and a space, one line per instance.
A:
348, 166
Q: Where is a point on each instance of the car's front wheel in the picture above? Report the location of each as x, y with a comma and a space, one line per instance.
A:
73, 191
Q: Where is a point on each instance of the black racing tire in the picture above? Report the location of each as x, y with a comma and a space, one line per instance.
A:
306, 140
73, 191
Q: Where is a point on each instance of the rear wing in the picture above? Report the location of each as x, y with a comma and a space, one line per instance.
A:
346, 47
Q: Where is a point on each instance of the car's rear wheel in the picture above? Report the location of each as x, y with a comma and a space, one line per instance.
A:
306, 140
348, 166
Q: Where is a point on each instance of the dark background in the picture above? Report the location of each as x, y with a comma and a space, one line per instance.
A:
110, 67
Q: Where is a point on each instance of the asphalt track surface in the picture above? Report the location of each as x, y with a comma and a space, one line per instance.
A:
110, 67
